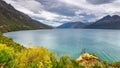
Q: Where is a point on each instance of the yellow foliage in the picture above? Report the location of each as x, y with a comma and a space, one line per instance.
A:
6, 56
5, 47
37, 57
2, 46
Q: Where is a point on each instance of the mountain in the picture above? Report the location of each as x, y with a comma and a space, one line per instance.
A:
12, 20
72, 25
107, 22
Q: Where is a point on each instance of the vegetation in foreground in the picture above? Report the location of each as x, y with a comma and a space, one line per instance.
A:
13, 55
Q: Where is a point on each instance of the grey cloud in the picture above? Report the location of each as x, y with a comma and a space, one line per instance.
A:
74, 10
97, 2
87, 17
58, 7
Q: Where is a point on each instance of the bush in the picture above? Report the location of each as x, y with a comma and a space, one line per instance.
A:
10, 43
96, 66
66, 62
13, 55
36, 57
6, 56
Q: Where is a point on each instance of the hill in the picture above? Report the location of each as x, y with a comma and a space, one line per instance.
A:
12, 20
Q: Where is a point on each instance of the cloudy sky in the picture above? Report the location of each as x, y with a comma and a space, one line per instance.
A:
57, 12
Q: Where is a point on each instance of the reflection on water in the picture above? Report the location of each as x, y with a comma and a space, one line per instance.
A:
106, 43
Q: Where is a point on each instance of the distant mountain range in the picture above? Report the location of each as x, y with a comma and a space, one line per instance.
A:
72, 25
107, 22
12, 20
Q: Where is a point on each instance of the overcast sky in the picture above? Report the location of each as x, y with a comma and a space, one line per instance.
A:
57, 12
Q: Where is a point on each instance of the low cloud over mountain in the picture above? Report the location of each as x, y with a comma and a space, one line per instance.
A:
56, 12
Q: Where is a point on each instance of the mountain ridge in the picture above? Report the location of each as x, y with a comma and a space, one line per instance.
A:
107, 22
13, 20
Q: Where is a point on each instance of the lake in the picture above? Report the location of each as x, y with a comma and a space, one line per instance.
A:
106, 43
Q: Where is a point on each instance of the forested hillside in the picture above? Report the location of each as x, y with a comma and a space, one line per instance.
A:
12, 20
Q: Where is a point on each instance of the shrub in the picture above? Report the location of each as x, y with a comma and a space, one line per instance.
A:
6, 56
10, 43
36, 57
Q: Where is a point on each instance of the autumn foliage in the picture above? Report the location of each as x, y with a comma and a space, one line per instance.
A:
13, 55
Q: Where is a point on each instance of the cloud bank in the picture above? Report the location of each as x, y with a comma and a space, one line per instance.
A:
97, 2
57, 12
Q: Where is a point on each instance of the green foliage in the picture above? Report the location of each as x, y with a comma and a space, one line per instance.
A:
36, 57
66, 62
13, 55
6, 55
96, 66
106, 64
83, 51
94, 54
115, 64
9, 42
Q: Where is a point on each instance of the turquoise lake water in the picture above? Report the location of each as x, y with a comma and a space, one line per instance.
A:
106, 43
